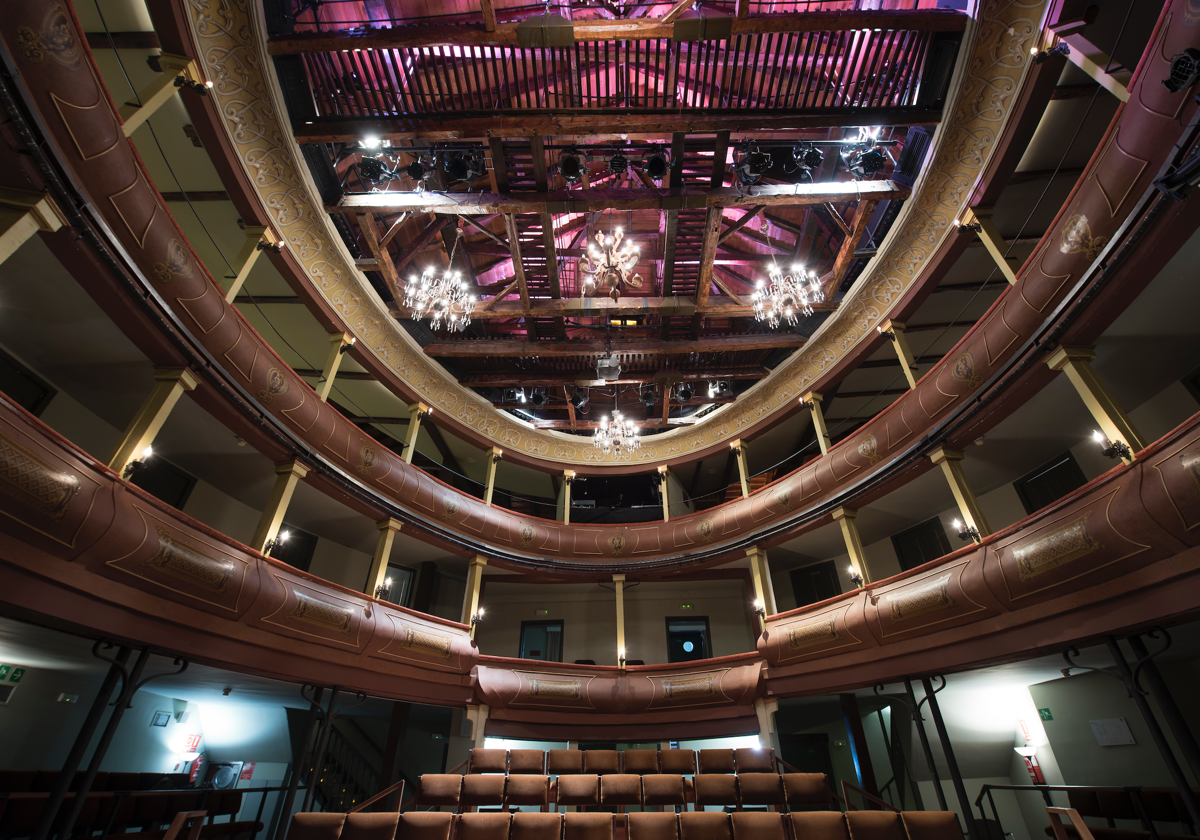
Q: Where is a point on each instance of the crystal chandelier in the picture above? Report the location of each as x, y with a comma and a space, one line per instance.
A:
608, 266
442, 299
787, 296
617, 435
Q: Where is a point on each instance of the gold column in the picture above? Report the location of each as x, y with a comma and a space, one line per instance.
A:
760, 571
388, 528
287, 475
154, 95
739, 450
568, 480
337, 342
22, 214
812, 398
845, 517
1076, 363
899, 340
619, 586
990, 236
257, 237
495, 456
968, 505
478, 715
666, 496
416, 413
1092, 60
471, 598
170, 383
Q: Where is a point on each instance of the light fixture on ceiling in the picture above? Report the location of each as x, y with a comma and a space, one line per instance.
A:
370, 142
684, 393
865, 158
609, 265
579, 399
656, 165
647, 397
616, 435
571, 165
442, 298
752, 163
539, 398
618, 164
1112, 448
520, 395
375, 169
419, 170
464, 166
806, 159
1185, 70
717, 388
786, 296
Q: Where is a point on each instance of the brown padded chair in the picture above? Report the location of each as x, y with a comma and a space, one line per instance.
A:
757, 825
806, 789
760, 788
482, 790
527, 826
439, 789
711, 826
371, 826
423, 825
717, 761
601, 762
588, 826
755, 760
564, 762
620, 789
578, 790
663, 790
488, 761
642, 762
875, 825
650, 826
529, 762
715, 789
316, 827
931, 825
527, 790
482, 826
819, 825
19, 781
677, 761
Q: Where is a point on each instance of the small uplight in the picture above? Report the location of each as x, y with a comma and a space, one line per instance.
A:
1098, 436
370, 142
760, 608
284, 536
1025, 752
147, 452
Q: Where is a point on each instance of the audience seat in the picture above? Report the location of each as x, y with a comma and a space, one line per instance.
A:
439, 789
527, 762
316, 827
564, 762
620, 789
374, 826
601, 762
677, 761
487, 761
819, 825
487, 791
717, 761
806, 790
875, 825
422, 825
755, 760
931, 825
579, 790
650, 826
666, 789
526, 826
715, 789
588, 826
758, 825
641, 762
704, 826
760, 789
493, 826
527, 790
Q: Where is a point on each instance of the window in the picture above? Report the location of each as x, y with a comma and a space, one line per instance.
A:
1049, 482
165, 482
23, 386
542, 640
688, 638
298, 551
815, 583
921, 543
403, 579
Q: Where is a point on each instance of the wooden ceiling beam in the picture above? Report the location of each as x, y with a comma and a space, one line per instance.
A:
503, 379
383, 257
846, 253
469, 348
418, 245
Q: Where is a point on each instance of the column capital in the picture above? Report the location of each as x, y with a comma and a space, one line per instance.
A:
389, 524
497, 453
664, 469
294, 467
478, 560
736, 444
181, 375
255, 231
420, 408
892, 326
45, 212
180, 65
755, 552
941, 454
568, 474
341, 338
813, 397
844, 513
618, 578
1059, 358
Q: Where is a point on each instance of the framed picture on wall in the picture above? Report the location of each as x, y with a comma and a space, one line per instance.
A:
161, 719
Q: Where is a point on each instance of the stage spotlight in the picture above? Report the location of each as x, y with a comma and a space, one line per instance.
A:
656, 166
751, 164
571, 165
464, 166
618, 164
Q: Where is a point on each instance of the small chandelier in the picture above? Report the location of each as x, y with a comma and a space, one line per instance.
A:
787, 296
617, 435
608, 264
442, 299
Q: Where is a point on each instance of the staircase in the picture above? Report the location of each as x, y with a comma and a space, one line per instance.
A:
345, 776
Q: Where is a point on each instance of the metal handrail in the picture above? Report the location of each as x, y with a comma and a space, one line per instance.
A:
390, 789
1134, 791
870, 797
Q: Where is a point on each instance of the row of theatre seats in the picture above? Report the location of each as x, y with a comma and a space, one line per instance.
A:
1146, 805
118, 802
744, 825
608, 778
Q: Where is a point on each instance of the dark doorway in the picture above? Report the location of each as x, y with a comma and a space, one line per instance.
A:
921, 543
297, 551
815, 583
542, 640
808, 753
1049, 482
688, 638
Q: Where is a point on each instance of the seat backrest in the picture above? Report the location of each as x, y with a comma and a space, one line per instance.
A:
1116, 804
755, 760
819, 825
316, 827
716, 788
488, 761
682, 762
642, 762
122, 781
651, 826
874, 825
601, 762
578, 826
717, 761
564, 762
704, 825
424, 825
43, 780
806, 789
1085, 802
578, 789
16, 781
483, 789
363, 826
931, 825
663, 789
760, 788
529, 762
439, 789
1160, 804
489, 826
529, 826
527, 789
757, 825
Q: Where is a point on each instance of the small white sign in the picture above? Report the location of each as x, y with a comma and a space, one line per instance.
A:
1112, 732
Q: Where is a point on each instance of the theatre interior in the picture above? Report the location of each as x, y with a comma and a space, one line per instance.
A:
599, 420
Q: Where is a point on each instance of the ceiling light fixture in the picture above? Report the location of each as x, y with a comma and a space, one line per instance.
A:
616, 435
1185, 70
752, 163
685, 393
608, 265
656, 166
571, 165
539, 398
464, 165
806, 159
618, 164
579, 399
443, 299
786, 296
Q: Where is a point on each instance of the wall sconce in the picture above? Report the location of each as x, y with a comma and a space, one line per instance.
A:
966, 532
476, 619
759, 609
620, 657
342, 350
808, 406
138, 464
383, 590
1043, 56
890, 335
200, 89
1112, 448
273, 247
271, 545
497, 457
973, 227
856, 578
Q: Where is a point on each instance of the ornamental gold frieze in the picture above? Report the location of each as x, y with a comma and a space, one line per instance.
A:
232, 52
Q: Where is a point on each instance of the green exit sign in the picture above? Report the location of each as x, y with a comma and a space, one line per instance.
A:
685, 606
16, 675
1044, 714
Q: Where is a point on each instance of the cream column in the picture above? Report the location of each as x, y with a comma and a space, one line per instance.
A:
287, 475
765, 710
894, 332
495, 456
1076, 363
471, 598
154, 95
568, 480
619, 587
22, 214
990, 236
338, 343
760, 571
739, 450
388, 528
170, 383
845, 517
478, 715
666, 496
813, 400
416, 413
968, 505
258, 239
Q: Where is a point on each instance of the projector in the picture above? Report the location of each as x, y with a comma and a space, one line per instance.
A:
608, 367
